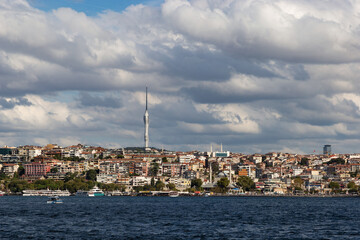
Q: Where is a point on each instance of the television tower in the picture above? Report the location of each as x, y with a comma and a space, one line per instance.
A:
146, 122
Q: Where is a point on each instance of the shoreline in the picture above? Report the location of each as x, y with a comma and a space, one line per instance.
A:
215, 195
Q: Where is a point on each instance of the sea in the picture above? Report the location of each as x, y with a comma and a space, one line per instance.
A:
180, 218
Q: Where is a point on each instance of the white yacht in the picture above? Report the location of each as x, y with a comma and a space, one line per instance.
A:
95, 192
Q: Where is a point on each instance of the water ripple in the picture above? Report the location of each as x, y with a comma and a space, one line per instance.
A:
180, 218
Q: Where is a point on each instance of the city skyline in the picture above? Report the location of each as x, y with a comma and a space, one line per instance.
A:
256, 76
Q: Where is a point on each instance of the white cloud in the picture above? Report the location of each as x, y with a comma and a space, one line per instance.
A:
253, 74
295, 31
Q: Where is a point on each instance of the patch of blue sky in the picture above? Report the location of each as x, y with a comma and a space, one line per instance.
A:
91, 7
64, 96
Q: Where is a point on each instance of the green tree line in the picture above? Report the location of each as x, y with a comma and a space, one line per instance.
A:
72, 182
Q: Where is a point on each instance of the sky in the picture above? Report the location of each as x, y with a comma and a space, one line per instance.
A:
256, 76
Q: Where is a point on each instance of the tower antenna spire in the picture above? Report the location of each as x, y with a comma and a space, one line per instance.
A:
146, 100
146, 123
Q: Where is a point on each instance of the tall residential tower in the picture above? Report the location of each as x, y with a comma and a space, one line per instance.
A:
146, 122
327, 150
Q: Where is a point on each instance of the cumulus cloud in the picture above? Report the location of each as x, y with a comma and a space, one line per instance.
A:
255, 75
296, 32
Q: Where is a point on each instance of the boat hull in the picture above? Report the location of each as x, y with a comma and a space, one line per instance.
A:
54, 202
96, 194
173, 194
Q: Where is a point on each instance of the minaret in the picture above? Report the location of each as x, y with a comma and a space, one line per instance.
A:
146, 122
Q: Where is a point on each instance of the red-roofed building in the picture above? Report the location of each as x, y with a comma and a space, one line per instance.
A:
36, 169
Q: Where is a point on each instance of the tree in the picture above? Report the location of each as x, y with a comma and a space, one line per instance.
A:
354, 174
3, 176
48, 183
120, 156
298, 183
21, 170
336, 161
54, 170
196, 183
17, 185
154, 169
75, 159
159, 185
352, 185
111, 187
246, 183
223, 183
172, 186
91, 175
138, 188
70, 176
152, 182
334, 185
164, 159
148, 187
79, 184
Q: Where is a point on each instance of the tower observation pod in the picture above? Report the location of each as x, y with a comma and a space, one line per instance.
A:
146, 123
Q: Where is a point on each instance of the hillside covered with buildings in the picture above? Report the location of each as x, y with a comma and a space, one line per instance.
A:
134, 169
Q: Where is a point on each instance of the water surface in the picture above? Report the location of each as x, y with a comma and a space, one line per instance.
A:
180, 218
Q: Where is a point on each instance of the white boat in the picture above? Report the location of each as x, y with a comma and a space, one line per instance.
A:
46, 192
173, 194
207, 194
2, 193
95, 192
62, 193
54, 200
114, 193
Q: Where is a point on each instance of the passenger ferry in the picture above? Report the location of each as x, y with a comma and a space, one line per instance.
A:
95, 192
46, 193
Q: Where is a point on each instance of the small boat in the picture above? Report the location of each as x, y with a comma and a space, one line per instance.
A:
114, 193
95, 192
173, 194
207, 194
2, 193
54, 200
